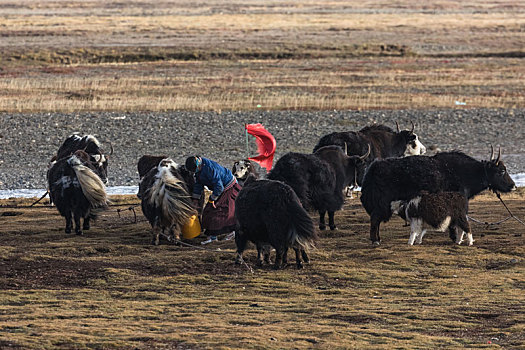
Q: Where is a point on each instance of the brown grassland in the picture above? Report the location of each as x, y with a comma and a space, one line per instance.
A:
111, 289
177, 55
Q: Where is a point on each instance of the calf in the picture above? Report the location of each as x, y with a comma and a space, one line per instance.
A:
269, 212
438, 210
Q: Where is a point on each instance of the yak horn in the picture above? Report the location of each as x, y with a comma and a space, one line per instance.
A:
397, 126
499, 155
412, 131
491, 152
346, 148
111, 148
363, 157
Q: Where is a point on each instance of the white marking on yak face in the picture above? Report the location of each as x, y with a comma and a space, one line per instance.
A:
415, 147
93, 139
240, 169
167, 163
100, 159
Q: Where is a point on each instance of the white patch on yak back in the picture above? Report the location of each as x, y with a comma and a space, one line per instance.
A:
415, 202
415, 148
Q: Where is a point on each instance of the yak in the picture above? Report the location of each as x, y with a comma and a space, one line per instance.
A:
243, 168
382, 140
319, 179
394, 179
440, 211
91, 146
76, 189
165, 200
269, 212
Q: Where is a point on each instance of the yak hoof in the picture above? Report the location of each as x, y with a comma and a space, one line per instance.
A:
259, 263
68, 230
86, 227
322, 227
333, 228
300, 265
376, 243
80, 233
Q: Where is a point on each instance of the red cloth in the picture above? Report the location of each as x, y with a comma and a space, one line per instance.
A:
265, 145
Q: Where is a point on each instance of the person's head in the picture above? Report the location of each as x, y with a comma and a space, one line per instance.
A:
193, 163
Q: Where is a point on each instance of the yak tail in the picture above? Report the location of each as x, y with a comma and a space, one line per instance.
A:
169, 194
92, 186
302, 233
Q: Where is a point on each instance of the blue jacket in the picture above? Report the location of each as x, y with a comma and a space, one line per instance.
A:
214, 176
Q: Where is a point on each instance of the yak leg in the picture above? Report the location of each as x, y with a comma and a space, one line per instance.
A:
465, 226
69, 222
322, 225
279, 252
305, 256
452, 233
266, 250
459, 236
76, 217
156, 235
331, 221
298, 261
419, 238
374, 230
260, 254
415, 229
240, 242
86, 226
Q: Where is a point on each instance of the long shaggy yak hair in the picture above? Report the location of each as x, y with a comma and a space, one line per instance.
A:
166, 202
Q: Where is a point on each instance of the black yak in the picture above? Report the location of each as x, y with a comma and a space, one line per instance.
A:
76, 188
382, 140
440, 211
90, 145
319, 179
394, 179
165, 200
269, 212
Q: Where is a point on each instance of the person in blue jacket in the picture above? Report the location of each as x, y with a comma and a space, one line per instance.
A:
218, 216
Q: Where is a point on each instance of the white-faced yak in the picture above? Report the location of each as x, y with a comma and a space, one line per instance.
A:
269, 212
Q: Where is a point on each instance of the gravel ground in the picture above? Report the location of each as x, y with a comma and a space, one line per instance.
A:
27, 142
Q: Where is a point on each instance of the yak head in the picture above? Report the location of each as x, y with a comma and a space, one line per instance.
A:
414, 147
358, 164
99, 160
497, 175
242, 168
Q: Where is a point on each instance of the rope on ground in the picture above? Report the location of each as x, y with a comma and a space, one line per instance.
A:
511, 214
218, 250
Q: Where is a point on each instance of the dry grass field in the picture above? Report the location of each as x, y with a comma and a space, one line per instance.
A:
111, 289
177, 55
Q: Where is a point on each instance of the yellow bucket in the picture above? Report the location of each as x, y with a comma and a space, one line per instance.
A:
192, 228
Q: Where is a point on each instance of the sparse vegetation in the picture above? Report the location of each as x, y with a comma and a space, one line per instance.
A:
174, 55
112, 289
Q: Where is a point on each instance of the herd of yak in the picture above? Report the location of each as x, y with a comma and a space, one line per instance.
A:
394, 175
